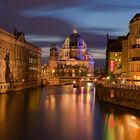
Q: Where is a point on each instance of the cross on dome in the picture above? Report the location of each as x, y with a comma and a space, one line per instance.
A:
74, 30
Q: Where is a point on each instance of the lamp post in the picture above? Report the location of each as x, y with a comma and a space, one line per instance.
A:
108, 80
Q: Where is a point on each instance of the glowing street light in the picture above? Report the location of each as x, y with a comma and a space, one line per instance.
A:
108, 78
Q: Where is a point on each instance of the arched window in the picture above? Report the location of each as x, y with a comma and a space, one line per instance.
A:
53, 73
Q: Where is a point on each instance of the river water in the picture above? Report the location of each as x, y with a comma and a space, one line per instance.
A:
63, 113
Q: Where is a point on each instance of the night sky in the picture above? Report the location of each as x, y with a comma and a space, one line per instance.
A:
50, 21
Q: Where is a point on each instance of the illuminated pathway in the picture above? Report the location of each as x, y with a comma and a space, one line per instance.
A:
57, 113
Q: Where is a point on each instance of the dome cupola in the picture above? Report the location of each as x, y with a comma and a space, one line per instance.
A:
74, 41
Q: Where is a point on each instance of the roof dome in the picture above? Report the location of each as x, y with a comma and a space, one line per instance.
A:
135, 18
74, 41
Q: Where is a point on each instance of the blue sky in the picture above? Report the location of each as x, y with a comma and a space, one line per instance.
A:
49, 21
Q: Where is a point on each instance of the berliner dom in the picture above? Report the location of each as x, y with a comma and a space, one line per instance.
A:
71, 61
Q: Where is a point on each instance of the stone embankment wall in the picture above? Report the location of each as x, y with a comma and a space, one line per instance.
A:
10, 87
120, 96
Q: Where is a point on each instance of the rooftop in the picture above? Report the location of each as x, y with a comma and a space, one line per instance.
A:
135, 18
115, 45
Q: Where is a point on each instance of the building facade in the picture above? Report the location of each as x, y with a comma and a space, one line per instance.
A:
131, 52
20, 62
71, 61
114, 56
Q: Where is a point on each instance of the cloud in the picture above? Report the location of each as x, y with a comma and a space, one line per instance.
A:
43, 38
100, 30
87, 16
51, 4
113, 7
45, 51
98, 53
57, 9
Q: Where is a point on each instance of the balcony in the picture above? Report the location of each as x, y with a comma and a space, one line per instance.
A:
135, 59
134, 46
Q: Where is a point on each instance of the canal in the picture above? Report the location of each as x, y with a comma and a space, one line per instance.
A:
62, 113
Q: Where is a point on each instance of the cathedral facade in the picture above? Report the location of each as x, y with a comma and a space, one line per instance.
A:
71, 61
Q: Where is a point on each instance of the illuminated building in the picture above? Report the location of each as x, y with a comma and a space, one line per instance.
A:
19, 61
50, 70
131, 51
71, 61
114, 56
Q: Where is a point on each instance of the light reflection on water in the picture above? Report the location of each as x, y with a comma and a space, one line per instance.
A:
64, 113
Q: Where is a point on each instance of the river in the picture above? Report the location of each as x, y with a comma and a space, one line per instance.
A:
62, 113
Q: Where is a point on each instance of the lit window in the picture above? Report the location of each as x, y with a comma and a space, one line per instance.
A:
119, 60
115, 54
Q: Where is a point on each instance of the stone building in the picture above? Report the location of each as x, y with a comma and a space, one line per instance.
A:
19, 62
131, 52
50, 70
71, 61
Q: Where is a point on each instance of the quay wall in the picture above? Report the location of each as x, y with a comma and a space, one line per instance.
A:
119, 96
10, 87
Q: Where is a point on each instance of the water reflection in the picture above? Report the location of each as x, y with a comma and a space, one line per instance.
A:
64, 113
120, 125
69, 112
13, 109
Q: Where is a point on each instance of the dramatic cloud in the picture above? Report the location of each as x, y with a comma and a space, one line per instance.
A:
84, 16
113, 7
45, 52
42, 38
98, 53
78, 9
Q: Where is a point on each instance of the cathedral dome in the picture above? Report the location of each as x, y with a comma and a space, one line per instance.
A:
74, 41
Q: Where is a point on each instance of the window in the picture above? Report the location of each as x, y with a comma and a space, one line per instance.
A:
138, 67
132, 68
138, 41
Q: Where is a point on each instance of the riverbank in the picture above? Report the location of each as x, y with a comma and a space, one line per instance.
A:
17, 86
120, 96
